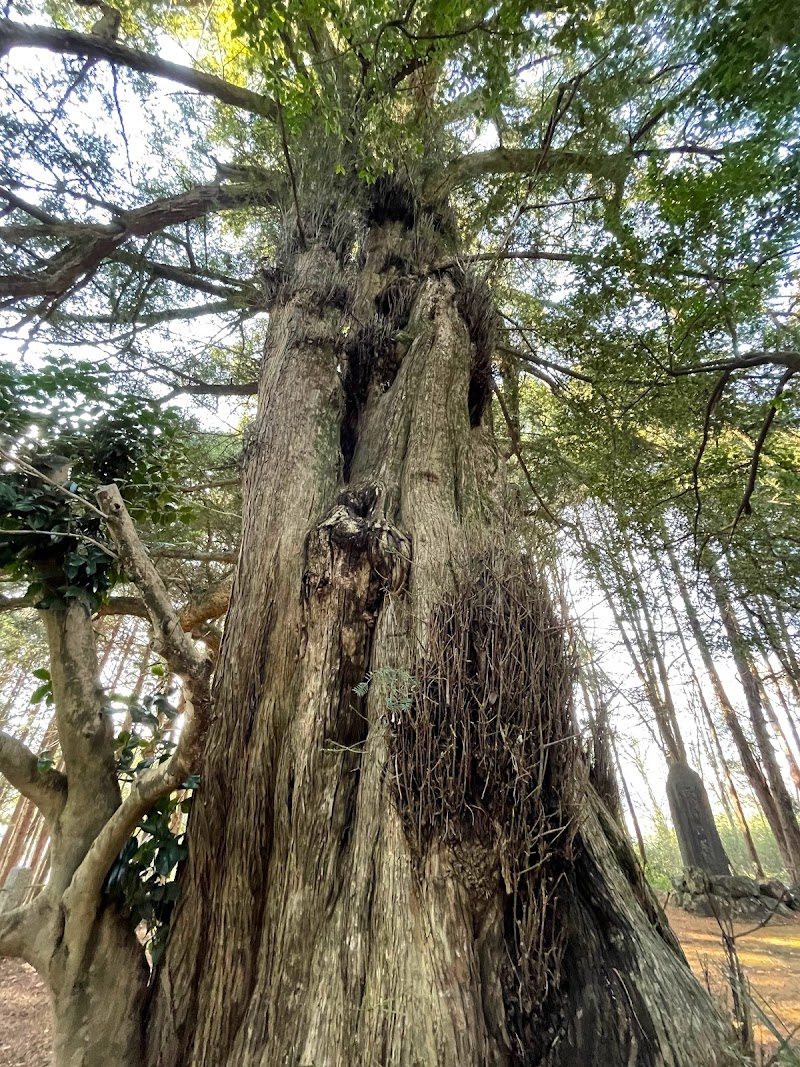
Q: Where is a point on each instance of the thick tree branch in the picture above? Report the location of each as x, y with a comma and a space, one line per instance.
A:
15, 603
536, 161
88, 244
212, 606
213, 389
13, 932
236, 290
189, 554
788, 359
193, 667
46, 789
193, 615
90, 46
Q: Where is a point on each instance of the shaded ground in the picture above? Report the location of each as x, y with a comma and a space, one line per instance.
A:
771, 956
24, 1017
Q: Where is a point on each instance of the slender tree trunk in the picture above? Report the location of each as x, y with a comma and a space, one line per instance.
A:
314, 928
86, 951
718, 754
755, 776
637, 829
782, 799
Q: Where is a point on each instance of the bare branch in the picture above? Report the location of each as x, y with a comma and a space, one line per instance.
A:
744, 507
46, 789
15, 603
213, 606
88, 244
170, 640
788, 359
531, 254
539, 361
90, 46
190, 554
192, 616
213, 389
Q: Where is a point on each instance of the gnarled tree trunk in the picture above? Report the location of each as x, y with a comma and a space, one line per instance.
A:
320, 921
83, 947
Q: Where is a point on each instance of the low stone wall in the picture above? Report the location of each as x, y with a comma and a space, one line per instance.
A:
732, 896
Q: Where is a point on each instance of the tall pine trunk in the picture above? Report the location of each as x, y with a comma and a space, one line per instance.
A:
328, 916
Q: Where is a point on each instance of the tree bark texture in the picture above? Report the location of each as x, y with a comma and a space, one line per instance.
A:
311, 929
88, 955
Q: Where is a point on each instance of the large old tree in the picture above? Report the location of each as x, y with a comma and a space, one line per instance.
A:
394, 856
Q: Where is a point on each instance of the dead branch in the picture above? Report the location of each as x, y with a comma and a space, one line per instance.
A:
744, 507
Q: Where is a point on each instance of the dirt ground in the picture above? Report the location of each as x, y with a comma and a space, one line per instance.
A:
771, 956
24, 1017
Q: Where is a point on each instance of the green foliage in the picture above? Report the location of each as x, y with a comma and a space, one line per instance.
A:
45, 690
366, 75
48, 538
143, 878
52, 545
664, 858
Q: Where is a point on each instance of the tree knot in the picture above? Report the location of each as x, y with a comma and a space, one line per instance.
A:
357, 550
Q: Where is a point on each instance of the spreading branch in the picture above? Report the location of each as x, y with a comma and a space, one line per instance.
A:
185, 660
87, 245
193, 615
213, 389
613, 167
46, 789
94, 47
788, 359
192, 555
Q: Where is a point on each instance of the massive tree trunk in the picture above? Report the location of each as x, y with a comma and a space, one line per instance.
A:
329, 914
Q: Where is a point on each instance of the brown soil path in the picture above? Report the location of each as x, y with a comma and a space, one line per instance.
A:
24, 1017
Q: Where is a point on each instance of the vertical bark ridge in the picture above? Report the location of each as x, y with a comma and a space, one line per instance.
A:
307, 932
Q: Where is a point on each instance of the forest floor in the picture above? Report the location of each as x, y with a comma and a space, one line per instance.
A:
770, 955
771, 959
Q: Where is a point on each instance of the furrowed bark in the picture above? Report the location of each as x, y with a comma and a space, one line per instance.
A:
309, 929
